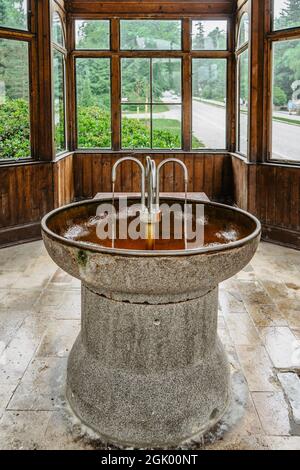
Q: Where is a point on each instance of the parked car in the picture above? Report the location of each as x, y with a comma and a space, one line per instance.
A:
293, 107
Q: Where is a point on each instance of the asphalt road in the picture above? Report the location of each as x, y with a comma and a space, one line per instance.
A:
209, 127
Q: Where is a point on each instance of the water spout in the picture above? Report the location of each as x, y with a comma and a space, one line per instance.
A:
135, 160
163, 163
150, 215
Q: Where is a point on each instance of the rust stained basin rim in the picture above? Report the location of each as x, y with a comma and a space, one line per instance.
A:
155, 253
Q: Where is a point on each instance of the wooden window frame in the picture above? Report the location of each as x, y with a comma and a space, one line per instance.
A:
151, 105
240, 50
89, 149
270, 10
61, 49
186, 54
272, 36
28, 36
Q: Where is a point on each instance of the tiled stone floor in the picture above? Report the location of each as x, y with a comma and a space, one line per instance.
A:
39, 320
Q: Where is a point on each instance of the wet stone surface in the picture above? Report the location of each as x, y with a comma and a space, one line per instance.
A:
37, 327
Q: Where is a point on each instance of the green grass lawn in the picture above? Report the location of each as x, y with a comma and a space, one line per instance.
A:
173, 126
292, 122
161, 108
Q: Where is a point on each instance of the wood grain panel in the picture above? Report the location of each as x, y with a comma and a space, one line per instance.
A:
26, 193
240, 182
155, 6
209, 173
272, 193
63, 180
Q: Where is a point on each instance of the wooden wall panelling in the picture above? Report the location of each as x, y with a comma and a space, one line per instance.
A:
274, 197
210, 173
26, 195
63, 181
240, 181
28, 191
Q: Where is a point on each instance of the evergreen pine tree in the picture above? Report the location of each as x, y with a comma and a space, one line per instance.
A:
199, 40
289, 15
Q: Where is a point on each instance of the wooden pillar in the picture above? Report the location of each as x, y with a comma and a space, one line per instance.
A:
44, 117
257, 81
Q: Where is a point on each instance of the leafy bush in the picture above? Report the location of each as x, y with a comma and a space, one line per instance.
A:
279, 97
14, 129
94, 130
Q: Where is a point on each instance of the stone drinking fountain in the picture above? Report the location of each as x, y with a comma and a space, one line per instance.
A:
148, 367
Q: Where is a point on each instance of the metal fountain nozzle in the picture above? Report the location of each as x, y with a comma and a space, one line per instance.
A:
150, 213
154, 213
135, 160
164, 162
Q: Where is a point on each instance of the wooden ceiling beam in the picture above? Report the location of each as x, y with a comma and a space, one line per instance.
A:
176, 7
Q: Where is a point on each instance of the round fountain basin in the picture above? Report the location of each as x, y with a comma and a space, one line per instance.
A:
129, 268
148, 368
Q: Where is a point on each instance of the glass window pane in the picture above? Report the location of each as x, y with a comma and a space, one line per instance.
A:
59, 100
136, 127
164, 35
92, 34
286, 101
93, 103
166, 80
286, 14
166, 127
243, 30
209, 103
135, 77
209, 35
243, 104
57, 30
14, 100
13, 14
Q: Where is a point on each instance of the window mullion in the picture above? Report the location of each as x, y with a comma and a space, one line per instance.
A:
186, 102
116, 102
116, 108
151, 105
186, 110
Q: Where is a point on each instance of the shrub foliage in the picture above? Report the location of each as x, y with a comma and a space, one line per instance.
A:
94, 130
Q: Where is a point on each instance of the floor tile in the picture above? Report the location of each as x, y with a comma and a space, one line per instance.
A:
242, 329
230, 301
291, 386
16, 299
64, 304
290, 310
6, 392
259, 311
257, 368
266, 315
9, 324
16, 357
42, 387
59, 345
61, 280
252, 292
282, 443
273, 412
23, 430
282, 347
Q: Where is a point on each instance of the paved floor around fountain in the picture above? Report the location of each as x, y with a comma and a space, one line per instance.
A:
259, 325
